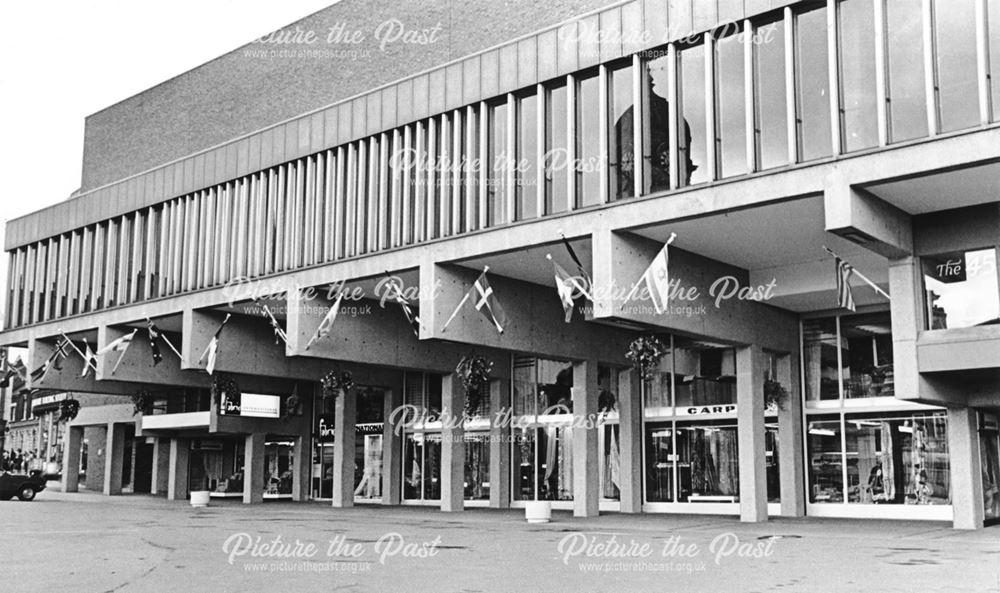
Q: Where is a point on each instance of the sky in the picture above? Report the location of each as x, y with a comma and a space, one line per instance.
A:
63, 60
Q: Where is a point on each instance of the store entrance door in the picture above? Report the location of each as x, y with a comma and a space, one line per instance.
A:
989, 449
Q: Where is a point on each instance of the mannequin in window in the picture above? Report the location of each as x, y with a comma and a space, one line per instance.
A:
876, 484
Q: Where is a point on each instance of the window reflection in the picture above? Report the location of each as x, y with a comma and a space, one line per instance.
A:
703, 376
526, 173
621, 162
826, 460
819, 357
856, 32
731, 106
769, 60
588, 156
957, 87
868, 355
904, 56
692, 147
812, 80
556, 199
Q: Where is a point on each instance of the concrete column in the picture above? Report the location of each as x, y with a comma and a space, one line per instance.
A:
302, 458
114, 458
452, 445
750, 425
966, 469
253, 469
161, 465
499, 445
791, 460
586, 487
630, 440
392, 450
345, 416
72, 446
177, 481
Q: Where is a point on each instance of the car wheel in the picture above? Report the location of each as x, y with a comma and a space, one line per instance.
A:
26, 493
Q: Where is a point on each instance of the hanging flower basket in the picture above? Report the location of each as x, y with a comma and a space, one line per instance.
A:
227, 385
775, 394
68, 409
293, 406
335, 383
645, 353
475, 372
141, 401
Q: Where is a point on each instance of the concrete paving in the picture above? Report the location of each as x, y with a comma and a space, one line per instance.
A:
87, 542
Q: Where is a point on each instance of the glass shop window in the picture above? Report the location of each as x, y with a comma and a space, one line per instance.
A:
826, 459
961, 289
708, 468
819, 358
867, 341
703, 375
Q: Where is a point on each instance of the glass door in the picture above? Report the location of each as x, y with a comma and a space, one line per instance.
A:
368, 444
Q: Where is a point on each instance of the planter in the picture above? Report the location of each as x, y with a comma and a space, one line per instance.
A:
199, 498
538, 511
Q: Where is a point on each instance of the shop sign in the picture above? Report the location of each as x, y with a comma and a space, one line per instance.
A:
706, 410
324, 429
251, 405
949, 268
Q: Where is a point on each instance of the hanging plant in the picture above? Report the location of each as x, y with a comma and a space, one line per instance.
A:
141, 401
475, 372
335, 382
68, 409
293, 404
645, 353
775, 394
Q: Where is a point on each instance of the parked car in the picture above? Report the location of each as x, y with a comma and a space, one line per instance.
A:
22, 486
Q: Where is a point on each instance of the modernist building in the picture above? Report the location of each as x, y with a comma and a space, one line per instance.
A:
757, 132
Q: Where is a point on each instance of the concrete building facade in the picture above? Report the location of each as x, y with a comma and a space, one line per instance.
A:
755, 138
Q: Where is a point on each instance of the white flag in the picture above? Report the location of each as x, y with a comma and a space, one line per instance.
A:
324, 326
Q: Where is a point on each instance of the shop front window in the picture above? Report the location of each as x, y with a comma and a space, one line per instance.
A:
368, 431
703, 376
826, 460
543, 438
279, 459
898, 459
422, 437
608, 433
820, 345
217, 466
962, 289
477, 466
659, 462
989, 451
707, 463
868, 355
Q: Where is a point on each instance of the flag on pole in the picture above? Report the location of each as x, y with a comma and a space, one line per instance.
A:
279, 334
845, 298
89, 359
60, 353
324, 326
212, 349
565, 285
657, 278
576, 260
38, 374
411, 317
486, 302
154, 335
119, 345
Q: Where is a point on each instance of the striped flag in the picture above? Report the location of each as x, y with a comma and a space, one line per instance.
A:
212, 350
60, 354
845, 298
411, 317
324, 326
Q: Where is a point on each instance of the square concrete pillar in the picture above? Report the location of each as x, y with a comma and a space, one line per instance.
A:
966, 469
499, 445
177, 481
345, 416
114, 459
452, 445
392, 450
253, 468
586, 487
72, 446
791, 459
301, 466
630, 440
161, 466
750, 426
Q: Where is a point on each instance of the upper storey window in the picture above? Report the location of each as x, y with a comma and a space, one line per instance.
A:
961, 289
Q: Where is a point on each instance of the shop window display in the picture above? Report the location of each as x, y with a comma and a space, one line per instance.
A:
422, 442
703, 376
368, 443
962, 289
826, 460
543, 444
820, 342
278, 462
609, 435
989, 451
867, 355
217, 466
